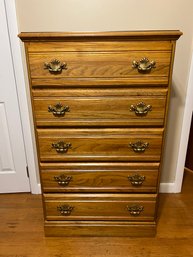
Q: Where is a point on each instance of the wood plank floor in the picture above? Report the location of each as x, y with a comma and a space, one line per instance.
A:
21, 231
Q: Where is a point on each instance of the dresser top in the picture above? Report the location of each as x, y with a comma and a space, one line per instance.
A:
107, 35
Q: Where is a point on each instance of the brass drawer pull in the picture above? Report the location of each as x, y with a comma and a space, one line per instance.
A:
139, 146
63, 180
144, 65
140, 109
58, 110
65, 210
61, 146
55, 66
135, 210
136, 180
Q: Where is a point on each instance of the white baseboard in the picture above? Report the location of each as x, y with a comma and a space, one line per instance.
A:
38, 190
168, 188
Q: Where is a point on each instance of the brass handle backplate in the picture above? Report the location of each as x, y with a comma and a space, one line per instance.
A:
55, 66
139, 146
61, 146
136, 180
58, 110
135, 210
65, 210
140, 109
63, 180
144, 65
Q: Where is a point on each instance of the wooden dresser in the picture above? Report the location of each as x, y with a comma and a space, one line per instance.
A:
100, 106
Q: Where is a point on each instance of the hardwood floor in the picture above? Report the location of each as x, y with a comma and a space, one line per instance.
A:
21, 231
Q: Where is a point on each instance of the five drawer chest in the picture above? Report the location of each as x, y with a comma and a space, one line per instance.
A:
100, 103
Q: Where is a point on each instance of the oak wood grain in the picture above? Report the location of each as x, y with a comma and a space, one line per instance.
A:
100, 65
100, 207
157, 35
118, 82
99, 177
95, 108
99, 84
102, 45
100, 144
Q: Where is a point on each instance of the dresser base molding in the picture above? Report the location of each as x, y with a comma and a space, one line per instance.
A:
89, 228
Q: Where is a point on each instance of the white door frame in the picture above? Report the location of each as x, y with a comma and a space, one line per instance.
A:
22, 95
184, 133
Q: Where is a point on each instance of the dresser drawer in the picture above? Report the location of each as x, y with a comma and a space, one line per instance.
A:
100, 207
99, 177
100, 144
99, 67
99, 60
124, 107
98, 64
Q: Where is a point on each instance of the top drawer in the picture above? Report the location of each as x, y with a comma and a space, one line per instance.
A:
96, 63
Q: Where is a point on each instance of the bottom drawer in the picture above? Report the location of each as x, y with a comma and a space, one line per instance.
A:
100, 207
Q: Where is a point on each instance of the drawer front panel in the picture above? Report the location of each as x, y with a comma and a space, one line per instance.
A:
100, 207
99, 65
101, 110
100, 144
99, 177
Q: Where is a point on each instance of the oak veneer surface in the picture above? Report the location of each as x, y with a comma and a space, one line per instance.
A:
100, 206
100, 177
101, 64
97, 144
100, 99
22, 235
130, 35
87, 108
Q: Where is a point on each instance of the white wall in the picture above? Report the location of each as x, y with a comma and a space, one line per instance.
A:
103, 15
